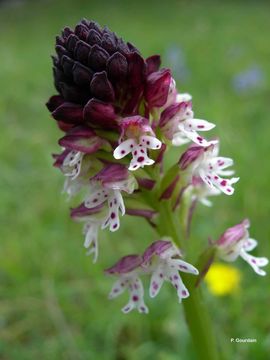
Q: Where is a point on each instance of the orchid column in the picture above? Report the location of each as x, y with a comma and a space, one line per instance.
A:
120, 115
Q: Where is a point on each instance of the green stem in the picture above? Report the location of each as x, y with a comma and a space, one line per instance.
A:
196, 312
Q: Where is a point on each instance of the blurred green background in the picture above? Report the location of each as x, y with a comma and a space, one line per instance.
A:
53, 301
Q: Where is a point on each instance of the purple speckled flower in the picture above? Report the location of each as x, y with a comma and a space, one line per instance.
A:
128, 270
235, 242
206, 164
139, 139
161, 258
105, 188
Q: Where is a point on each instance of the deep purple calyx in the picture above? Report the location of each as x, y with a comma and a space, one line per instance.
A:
125, 265
82, 139
110, 174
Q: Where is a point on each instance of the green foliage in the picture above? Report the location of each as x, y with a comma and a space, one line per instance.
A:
53, 301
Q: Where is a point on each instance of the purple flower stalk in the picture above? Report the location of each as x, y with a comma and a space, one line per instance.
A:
120, 115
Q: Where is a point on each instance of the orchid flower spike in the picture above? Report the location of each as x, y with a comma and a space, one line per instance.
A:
235, 242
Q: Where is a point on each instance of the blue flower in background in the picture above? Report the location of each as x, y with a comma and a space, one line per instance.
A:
174, 58
250, 79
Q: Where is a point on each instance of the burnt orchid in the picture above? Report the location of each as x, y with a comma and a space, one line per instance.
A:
120, 115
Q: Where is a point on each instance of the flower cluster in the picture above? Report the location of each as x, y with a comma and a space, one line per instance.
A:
120, 113
162, 261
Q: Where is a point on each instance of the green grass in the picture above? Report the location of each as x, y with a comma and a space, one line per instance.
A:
53, 301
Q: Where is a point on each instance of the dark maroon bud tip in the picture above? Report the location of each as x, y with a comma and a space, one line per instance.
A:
54, 101
71, 42
117, 67
153, 64
67, 65
61, 51
93, 38
69, 113
66, 32
97, 58
100, 114
82, 51
101, 87
157, 88
82, 75
81, 31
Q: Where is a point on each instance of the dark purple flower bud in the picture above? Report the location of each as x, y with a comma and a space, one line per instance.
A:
82, 75
69, 113
81, 31
71, 42
93, 67
125, 265
54, 102
67, 65
82, 139
100, 114
93, 38
153, 64
117, 67
157, 88
82, 51
98, 57
137, 69
101, 87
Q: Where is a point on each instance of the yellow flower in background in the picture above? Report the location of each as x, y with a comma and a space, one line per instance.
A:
223, 279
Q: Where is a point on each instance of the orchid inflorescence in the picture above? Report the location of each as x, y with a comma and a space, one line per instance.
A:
121, 114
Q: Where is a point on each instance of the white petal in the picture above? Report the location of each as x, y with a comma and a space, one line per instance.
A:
118, 288
183, 266
206, 178
198, 125
177, 282
179, 138
255, 262
124, 148
157, 280
150, 142
140, 159
196, 138
136, 297
205, 202
220, 163
96, 198
183, 97
250, 244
